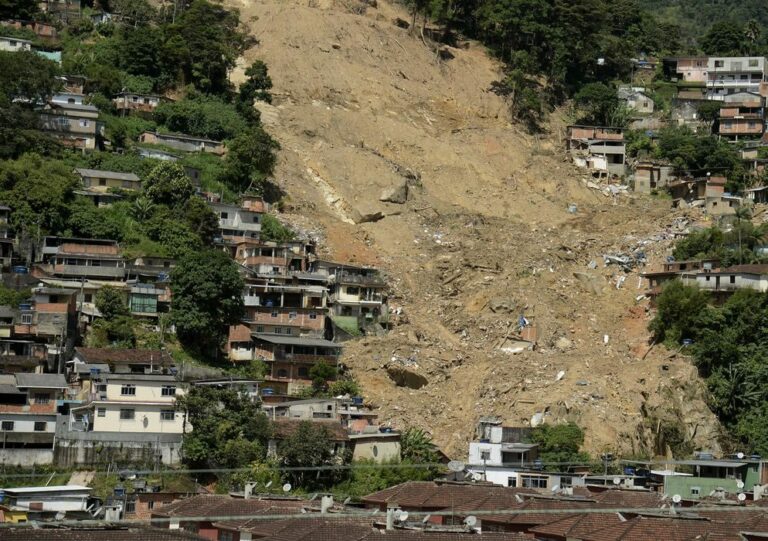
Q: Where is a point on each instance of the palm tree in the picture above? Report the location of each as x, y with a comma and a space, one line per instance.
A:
742, 213
416, 445
752, 33
142, 209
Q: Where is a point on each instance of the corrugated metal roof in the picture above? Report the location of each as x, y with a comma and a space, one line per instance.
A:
295, 340
56, 381
98, 173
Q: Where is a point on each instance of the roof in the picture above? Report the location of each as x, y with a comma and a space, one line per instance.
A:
106, 174
171, 135
10, 38
85, 368
56, 488
713, 463
115, 533
431, 495
123, 356
89, 249
48, 381
295, 340
75, 107
222, 505
285, 428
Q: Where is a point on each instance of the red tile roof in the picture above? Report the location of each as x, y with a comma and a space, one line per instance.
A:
220, 505
284, 428
430, 495
96, 534
123, 356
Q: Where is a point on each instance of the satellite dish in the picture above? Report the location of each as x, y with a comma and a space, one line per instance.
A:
349, 499
616, 480
268, 485
426, 519
477, 476
555, 488
739, 484
456, 466
287, 487
676, 498
739, 455
470, 521
402, 516
741, 497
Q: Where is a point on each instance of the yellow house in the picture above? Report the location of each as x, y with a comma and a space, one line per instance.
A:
101, 186
131, 403
12, 517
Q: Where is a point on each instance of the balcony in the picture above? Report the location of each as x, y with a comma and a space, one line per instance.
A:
89, 270
360, 279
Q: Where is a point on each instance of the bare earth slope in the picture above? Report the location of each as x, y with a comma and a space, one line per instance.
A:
361, 106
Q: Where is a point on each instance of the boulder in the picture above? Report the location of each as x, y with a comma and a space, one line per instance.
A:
405, 377
395, 194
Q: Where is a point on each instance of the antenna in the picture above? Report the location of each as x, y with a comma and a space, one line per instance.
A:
287, 487
456, 466
741, 497
470, 521
677, 498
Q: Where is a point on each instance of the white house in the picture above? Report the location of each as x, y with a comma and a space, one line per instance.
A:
54, 499
730, 279
14, 44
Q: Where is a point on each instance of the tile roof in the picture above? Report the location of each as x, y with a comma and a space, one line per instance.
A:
221, 505
97, 173
96, 534
123, 356
89, 249
284, 428
430, 495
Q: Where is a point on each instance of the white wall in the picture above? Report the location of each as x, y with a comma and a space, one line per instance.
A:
475, 453
146, 391
146, 419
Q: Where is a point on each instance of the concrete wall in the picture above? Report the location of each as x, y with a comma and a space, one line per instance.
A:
377, 450
476, 449
89, 448
147, 419
26, 457
146, 391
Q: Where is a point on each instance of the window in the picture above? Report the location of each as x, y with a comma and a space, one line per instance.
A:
102, 182
71, 101
42, 398
260, 328
150, 504
282, 373
695, 491
732, 279
6, 426
353, 290
40, 426
130, 506
278, 330
485, 455
169, 390
127, 414
13, 43
101, 412
224, 215
512, 482
101, 388
533, 481
753, 62
128, 390
226, 536
719, 63
288, 330
274, 313
303, 372
292, 315
83, 123
167, 415
26, 319
313, 316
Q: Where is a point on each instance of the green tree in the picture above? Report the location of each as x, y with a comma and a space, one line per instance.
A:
309, 445
724, 38
228, 429
86, 220
168, 184
26, 76
19, 9
560, 443
708, 112
274, 231
250, 159
321, 373
598, 103
201, 220
417, 447
207, 298
679, 309
257, 84
110, 301
13, 297
202, 116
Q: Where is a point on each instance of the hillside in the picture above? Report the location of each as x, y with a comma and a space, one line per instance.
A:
359, 107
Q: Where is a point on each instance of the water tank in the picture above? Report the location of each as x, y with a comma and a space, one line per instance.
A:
267, 391
20, 269
357, 400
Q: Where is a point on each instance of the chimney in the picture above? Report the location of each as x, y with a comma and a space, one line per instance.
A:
392, 508
326, 502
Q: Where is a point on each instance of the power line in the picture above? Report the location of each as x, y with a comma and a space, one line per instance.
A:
660, 512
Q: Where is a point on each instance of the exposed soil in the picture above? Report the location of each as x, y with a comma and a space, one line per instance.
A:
360, 106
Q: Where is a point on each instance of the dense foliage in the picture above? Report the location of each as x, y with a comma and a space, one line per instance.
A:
560, 444
729, 345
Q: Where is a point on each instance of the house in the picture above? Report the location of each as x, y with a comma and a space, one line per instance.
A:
501, 452
727, 75
247, 387
83, 258
46, 501
687, 191
74, 125
74, 84
236, 223
358, 295
685, 108
273, 259
14, 44
41, 29
131, 417
718, 478
104, 187
649, 176
283, 428
133, 102
636, 99
184, 143
600, 149
742, 120
125, 361
28, 412
691, 69
723, 282
290, 358
672, 269
110, 532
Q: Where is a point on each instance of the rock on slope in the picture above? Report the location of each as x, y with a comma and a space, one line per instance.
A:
364, 111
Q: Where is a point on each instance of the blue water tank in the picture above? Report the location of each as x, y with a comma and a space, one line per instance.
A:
357, 400
20, 269
267, 391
